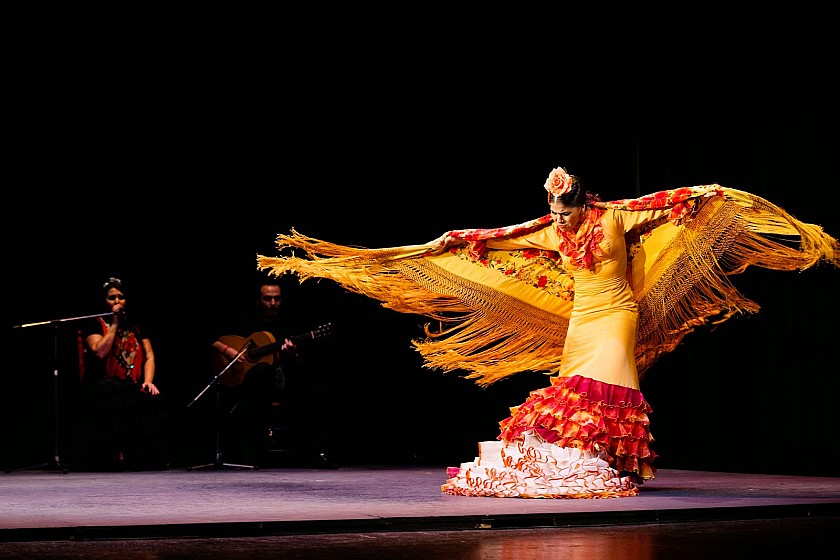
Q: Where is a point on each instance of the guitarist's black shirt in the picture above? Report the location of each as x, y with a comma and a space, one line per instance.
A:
271, 393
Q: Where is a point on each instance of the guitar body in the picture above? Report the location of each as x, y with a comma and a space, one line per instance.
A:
236, 374
262, 347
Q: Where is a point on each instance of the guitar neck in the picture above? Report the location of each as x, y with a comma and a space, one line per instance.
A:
260, 351
302, 337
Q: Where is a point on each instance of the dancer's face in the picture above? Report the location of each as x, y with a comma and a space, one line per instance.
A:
567, 218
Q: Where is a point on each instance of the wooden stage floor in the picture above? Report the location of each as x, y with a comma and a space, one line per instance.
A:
48, 510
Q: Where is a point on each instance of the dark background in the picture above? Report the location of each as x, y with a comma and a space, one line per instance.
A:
173, 168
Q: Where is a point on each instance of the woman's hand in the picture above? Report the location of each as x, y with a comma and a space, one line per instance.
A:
150, 388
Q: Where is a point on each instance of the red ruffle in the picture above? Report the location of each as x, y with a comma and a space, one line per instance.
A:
589, 415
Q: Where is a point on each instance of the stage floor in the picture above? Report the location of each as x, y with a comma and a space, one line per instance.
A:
397, 503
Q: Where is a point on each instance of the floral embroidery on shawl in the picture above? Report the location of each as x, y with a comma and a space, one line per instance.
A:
538, 268
680, 200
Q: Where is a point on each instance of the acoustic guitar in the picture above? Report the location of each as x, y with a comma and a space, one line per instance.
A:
262, 347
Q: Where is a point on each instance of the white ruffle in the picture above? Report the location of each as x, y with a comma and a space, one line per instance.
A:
536, 469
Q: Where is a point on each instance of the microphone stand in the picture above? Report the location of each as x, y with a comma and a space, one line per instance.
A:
218, 463
56, 461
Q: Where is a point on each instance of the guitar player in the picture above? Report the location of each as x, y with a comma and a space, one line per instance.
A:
268, 396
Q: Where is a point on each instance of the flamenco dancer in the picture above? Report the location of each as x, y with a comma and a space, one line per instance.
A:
592, 294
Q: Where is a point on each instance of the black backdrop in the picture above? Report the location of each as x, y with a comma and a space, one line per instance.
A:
174, 177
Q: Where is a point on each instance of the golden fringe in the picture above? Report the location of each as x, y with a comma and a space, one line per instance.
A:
482, 331
374, 273
492, 335
689, 286
501, 335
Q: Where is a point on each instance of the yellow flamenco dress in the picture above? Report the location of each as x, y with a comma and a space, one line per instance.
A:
594, 309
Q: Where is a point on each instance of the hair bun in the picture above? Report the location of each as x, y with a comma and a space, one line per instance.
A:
112, 283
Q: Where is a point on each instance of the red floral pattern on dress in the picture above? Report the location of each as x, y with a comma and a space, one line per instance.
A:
126, 347
125, 361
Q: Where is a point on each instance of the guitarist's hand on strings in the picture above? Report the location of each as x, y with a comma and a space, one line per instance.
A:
230, 352
288, 347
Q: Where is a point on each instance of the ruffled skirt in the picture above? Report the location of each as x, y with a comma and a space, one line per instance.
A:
577, 438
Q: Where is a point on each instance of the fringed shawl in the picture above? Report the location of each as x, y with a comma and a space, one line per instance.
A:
502, 312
